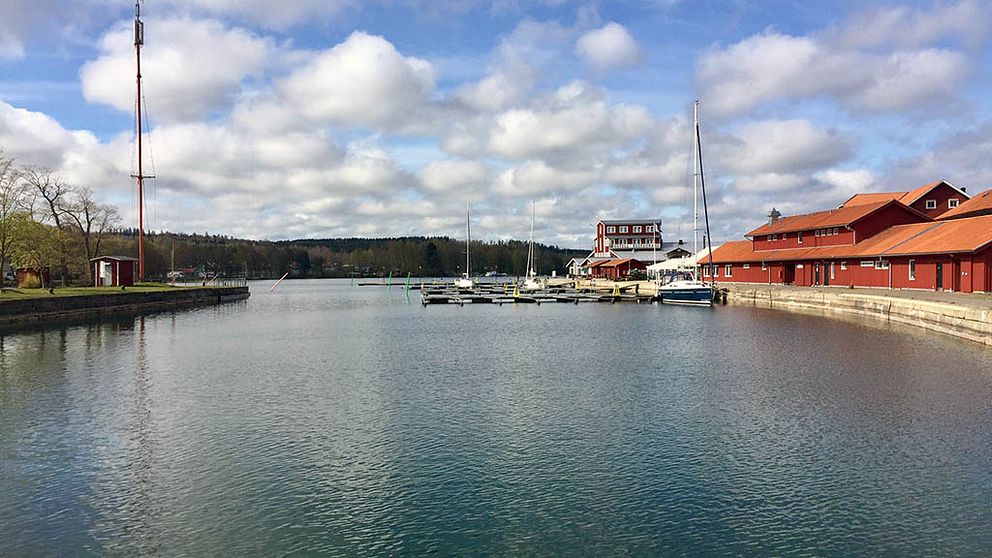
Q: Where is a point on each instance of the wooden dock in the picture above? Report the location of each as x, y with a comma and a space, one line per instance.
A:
509, 293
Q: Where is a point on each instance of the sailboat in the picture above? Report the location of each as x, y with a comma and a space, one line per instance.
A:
531, 282
465, 281
683, 287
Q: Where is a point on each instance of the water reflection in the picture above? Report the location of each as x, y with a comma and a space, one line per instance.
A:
328, 419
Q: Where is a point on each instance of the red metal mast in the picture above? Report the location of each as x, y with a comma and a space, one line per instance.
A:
139, 39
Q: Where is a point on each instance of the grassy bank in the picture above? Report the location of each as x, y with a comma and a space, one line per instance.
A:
25, 294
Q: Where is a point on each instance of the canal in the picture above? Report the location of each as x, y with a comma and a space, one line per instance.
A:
326, 419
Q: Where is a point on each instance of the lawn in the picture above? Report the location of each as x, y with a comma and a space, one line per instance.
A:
22, 294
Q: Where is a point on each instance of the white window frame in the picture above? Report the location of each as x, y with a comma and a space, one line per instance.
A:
843, 266
799, 237
611, 229
728, 270
931, 204
775, 236
867, 263
706, 271
912, 270
746, 266
833, 275
881, 264
623, 229
637, 228
785, 236
952, 203
764, 266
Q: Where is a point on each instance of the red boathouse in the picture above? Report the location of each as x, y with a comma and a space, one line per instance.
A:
114, 271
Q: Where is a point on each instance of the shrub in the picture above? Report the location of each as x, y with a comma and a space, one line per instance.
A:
30, 282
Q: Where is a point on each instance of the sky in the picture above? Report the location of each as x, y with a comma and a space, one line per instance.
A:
380, 118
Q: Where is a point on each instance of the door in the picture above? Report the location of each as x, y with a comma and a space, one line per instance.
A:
789, 274
828, 276
940, 276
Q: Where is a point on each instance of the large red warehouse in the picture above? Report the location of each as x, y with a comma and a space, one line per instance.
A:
879, 243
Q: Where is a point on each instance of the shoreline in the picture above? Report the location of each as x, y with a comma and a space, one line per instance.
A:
43, 311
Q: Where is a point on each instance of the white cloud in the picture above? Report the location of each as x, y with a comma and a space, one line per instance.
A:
771, 66
574, 119
456, 177
535, 178
363, 81
781, 147
181, 82
609, 47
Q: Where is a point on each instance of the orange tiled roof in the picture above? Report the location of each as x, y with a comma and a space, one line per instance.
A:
953, 236
911, 197
821, 219
981, 202
864, 199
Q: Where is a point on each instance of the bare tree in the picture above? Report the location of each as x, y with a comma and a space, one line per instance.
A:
54, 193
12, 200
92, 220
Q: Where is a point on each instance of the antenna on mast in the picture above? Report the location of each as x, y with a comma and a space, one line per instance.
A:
139, 39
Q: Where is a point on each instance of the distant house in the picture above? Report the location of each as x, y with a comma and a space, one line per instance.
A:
635, 235
114, 271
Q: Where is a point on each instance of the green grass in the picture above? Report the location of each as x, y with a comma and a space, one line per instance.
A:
21, 294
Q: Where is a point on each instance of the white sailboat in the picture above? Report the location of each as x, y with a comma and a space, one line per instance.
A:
532, 282
465, 281
683, 287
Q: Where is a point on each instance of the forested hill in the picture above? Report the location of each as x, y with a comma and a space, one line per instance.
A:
336, 257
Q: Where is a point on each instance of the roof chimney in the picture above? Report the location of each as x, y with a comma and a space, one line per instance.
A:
773, 216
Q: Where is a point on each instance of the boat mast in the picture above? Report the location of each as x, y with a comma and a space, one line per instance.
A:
139, 39
468, 238
530, 249
702, 187
695, 179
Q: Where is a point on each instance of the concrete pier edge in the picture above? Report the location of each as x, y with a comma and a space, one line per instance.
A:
970, 318
58, 309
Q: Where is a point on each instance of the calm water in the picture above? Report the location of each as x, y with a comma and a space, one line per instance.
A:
338, 420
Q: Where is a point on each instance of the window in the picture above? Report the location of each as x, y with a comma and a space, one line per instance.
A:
832, 274
836, 231
785, 235
706, 271
881, 264
843, 266
774, 237
817, 232
952, 203
799, 237
931, 204
867, 263
611, 229
637, 228
912, 270
623, 229
764, 266
727, 270
746, 266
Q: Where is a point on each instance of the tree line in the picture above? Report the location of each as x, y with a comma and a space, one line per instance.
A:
46, 222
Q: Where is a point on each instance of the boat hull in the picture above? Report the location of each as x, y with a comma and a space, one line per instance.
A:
699, 296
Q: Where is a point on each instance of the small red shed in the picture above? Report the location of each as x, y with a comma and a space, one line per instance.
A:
114, 271
42, 276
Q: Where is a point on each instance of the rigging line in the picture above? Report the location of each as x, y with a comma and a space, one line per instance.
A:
151, 157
